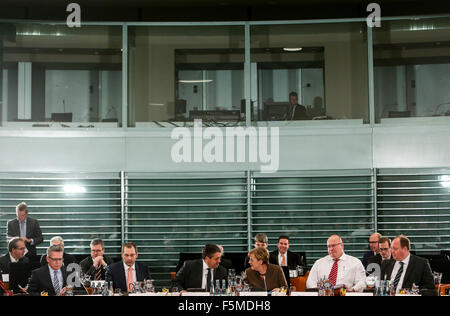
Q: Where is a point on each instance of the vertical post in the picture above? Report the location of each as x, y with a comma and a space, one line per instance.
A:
122, 207
249, 210
124, 76
375, 200
247, 76
24, 91
371, 76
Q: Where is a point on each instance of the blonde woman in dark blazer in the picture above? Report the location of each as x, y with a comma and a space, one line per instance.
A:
262, 274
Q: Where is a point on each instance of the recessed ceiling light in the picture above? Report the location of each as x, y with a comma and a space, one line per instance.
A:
289, 49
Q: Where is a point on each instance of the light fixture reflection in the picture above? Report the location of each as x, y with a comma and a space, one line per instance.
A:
73, 189
445, 181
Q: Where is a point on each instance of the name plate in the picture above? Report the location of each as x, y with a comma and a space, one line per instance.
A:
358, 294
253, 294
195, 294
304, 294
5, 277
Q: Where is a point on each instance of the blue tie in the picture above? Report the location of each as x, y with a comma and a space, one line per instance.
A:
398, 276
56, 284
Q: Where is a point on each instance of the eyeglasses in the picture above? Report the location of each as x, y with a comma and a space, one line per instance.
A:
56, 259
384, 249
21, 248
373, 242
333, 246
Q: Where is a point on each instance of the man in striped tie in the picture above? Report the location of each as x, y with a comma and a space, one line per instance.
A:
52, 277
406, 269
338, 267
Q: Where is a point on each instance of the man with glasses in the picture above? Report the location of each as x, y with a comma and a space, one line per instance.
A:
338, 267
25, 227
374, 248
96, 264
16, 248
51, 278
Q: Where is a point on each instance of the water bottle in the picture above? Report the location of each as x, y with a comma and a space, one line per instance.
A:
105, 289
224, 288
299, 270
218, 289
211, 288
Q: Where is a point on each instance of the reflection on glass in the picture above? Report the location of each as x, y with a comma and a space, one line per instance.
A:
309, 72
179, 74
411, 66
53, 75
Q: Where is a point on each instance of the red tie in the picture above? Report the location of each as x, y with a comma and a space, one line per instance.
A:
333, 274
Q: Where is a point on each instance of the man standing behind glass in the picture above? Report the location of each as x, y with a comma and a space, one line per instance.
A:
96, 264
339, 268
51, 278
296, 111
25, 227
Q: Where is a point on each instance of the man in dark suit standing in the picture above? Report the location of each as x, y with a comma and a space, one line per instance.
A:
125, 273
296, 111
96, 264
16, 248
283, 257
405, 268
200, 273
51, 278
25, 227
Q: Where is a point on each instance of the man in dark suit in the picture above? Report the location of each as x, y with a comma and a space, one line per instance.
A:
51, 278
283, 257
68, 258
16, 248
384, 246
200, 273
374, 248
95, 265
405, 268
125, 273
26, 228
296, 111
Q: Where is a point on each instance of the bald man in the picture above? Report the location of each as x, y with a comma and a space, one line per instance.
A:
338, 267
374, 248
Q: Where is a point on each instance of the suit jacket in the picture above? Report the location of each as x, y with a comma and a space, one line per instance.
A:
293, 260
33, 232
297, 113
115, 273
68, 259
375, 259
5, 262
42, 281
274, 278
88, 268
365, 259
191, 274
418, 272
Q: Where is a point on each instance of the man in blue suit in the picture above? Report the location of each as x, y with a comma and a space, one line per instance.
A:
123, 274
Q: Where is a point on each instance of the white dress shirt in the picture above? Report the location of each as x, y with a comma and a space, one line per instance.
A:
12, 259
350, 272
280, 258
205, 274
126, 272
395, 270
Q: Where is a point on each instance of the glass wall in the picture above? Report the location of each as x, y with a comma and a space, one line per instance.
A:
185, 73
309, 72
411, 67
57, 76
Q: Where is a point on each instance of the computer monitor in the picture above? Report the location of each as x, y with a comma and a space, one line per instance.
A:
62, 117
276, 111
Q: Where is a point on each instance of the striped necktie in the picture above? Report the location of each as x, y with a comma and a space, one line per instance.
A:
333, 273
56, 284
398, 276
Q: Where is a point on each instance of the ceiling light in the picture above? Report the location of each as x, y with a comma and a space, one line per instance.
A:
292, 49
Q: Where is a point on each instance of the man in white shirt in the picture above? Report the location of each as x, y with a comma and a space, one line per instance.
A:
339, 268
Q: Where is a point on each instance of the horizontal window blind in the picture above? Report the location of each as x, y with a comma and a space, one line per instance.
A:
311, 206
168, 215
415, 203
77, 207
